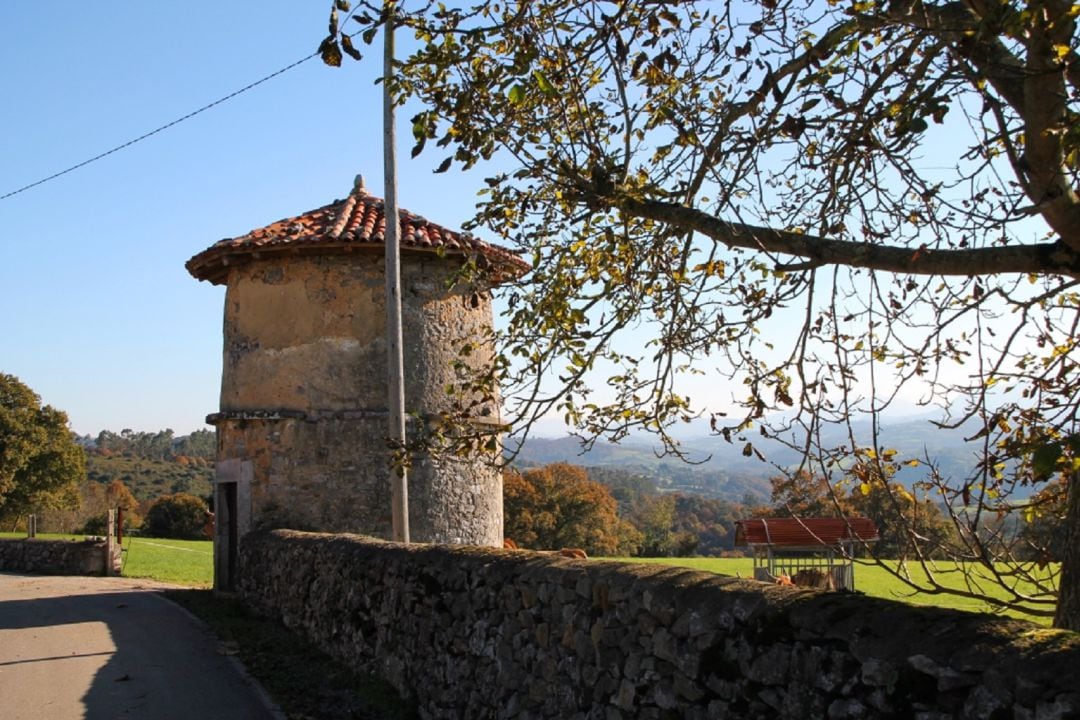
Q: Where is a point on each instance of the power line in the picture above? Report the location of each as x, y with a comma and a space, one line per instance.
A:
190, 115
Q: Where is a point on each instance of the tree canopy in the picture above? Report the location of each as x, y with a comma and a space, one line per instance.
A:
558, 506
179, 515
40, 463
839, 206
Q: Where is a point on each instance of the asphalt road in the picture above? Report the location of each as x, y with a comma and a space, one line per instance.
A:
108, 648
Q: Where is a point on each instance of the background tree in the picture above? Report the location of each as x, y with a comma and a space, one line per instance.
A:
803, 494
557, 506
654, 517
837, 205
40, 463
180, 516
908, 527
97, 499
709, 521
198, 444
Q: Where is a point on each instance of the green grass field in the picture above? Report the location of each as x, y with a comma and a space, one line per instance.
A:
871, 579
190, 562
42, 536
184, 562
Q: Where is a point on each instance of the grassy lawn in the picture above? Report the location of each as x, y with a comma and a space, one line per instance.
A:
184, 562
190, 562
871, 579
21, 535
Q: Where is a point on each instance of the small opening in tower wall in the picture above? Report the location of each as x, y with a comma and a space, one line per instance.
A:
474, 300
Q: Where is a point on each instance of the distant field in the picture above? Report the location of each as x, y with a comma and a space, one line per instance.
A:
870, 579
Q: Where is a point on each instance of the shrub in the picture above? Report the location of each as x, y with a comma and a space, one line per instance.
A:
98, 524
179, 516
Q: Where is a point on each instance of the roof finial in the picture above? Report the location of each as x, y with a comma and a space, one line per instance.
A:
345, 212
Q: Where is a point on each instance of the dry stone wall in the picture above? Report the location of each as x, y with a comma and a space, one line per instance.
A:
472, 632
53, 557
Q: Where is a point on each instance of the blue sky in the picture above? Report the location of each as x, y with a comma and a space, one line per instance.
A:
99, 316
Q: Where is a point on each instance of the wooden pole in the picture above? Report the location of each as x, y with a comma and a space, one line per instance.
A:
399, 489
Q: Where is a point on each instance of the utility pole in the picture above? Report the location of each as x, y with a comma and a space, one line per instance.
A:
395, 362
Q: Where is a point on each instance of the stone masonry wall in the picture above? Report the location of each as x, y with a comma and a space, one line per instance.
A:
53, 557
471, 632
300, 484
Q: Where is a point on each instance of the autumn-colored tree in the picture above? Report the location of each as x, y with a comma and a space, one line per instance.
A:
97, 499
803, 494
557, 506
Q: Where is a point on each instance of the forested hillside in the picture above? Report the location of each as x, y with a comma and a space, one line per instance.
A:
150, 464
150, 479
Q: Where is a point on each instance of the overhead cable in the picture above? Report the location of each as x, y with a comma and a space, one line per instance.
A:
190, 115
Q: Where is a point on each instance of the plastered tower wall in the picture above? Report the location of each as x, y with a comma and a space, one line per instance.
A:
303, 418
303, 395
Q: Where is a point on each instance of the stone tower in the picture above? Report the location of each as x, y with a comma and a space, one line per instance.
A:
303, 421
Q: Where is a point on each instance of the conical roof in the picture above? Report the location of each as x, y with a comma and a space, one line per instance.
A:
355, 224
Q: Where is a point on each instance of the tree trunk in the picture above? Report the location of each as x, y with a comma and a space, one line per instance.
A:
1067, 616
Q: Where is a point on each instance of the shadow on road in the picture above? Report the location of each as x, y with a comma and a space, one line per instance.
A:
69, 649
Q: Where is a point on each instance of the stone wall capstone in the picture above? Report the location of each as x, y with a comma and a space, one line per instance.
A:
54, 557
469, 632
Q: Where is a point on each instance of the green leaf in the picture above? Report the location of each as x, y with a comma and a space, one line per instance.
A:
342, 5
544, 84
330, 52
1045, 459
369, 35
443, 167
516, 94
333, 21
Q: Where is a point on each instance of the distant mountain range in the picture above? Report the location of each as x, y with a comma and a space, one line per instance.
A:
721, 469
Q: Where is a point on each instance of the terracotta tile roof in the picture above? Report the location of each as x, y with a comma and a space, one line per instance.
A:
354, 224
804, 532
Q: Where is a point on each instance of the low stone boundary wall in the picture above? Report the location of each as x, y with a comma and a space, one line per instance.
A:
54, 557
483, 633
